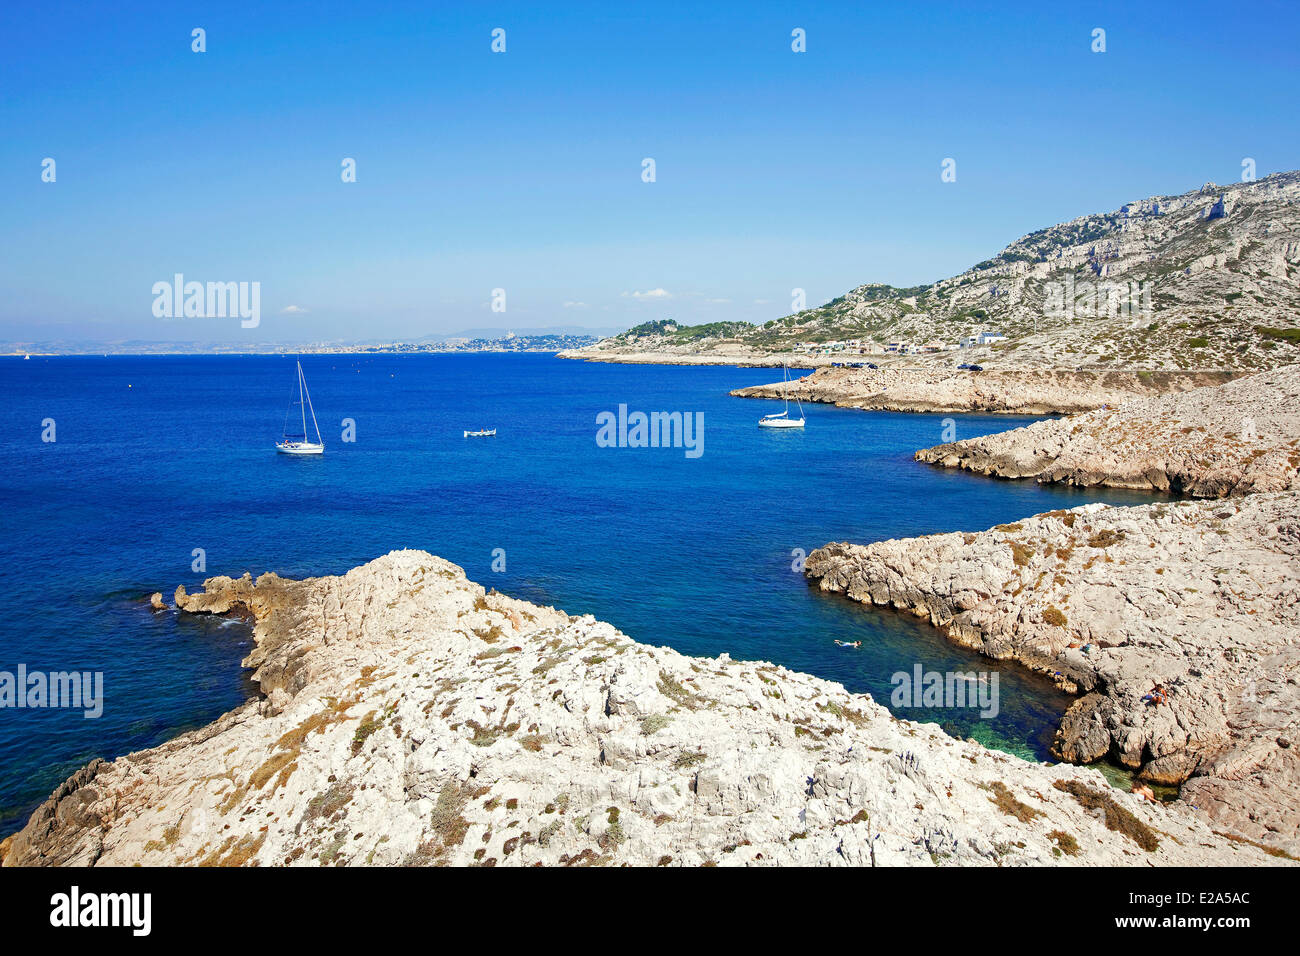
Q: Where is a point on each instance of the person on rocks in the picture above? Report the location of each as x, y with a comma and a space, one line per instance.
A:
1158, 695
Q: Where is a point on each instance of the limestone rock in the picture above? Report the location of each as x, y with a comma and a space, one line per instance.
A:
1235, 438
1201, 598
1045, 391
417, 719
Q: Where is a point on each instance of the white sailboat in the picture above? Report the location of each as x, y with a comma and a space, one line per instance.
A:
298, 444
783, 419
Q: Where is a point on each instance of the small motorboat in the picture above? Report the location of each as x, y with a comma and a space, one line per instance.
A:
481, 433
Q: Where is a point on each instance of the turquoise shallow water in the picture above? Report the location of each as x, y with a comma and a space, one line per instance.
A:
157, 456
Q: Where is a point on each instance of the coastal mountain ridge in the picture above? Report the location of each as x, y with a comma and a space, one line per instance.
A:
1205, 279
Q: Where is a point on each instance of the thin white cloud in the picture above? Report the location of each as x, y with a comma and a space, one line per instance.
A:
649, 294
575, 305
718, 301
293, 310
761, 301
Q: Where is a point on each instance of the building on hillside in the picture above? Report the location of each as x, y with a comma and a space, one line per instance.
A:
982, 338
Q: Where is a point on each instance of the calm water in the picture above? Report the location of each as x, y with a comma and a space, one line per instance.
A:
158, 456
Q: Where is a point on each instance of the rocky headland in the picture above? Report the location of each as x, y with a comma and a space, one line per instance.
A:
1196, 601
1238, 437
913, 388
408, 717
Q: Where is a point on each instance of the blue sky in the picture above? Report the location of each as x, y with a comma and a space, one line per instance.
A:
522, 170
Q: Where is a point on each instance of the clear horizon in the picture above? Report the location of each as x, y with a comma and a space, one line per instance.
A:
522, 171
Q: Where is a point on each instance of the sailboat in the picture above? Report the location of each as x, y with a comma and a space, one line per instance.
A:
298, 444
783, 419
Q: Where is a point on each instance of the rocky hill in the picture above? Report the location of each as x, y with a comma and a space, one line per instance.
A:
1202, 280
411, 718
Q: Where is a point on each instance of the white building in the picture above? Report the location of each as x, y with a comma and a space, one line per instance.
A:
982, 338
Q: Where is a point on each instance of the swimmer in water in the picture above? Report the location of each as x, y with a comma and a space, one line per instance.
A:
849, 643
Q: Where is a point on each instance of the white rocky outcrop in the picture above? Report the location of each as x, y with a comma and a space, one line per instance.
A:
1235, 438
902, 388
1199, 598
411, 718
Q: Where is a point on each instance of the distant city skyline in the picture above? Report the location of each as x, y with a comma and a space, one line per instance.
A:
517, 179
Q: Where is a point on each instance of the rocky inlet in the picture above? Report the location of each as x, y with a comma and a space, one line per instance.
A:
409, 717
1178, 623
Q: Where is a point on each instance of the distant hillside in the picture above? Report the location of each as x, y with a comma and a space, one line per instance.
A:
1207, 279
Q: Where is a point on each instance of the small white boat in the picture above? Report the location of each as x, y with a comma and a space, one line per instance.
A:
297, 444
783, 419
27, 358
481, 433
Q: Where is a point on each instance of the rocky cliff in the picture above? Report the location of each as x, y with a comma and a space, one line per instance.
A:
1238, 437
1200, 599
1201, 280
411, 718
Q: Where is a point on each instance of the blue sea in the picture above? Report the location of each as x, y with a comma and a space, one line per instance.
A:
157, 456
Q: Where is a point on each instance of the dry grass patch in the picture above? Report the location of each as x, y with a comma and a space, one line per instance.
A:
1117, 818
1004, 800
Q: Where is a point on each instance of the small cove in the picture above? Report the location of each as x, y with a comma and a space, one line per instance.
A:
160, 456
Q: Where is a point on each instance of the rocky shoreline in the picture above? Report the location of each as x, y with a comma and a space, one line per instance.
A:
741, 356
1200, 599
1177, 623
409, 717
1235, 438
916, 388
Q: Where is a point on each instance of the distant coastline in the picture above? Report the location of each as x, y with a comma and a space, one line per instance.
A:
451, 345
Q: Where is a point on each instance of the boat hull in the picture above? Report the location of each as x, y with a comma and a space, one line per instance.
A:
299, 448
781, 423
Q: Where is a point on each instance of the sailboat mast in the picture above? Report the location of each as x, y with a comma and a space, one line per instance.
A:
313, 410
301, 407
